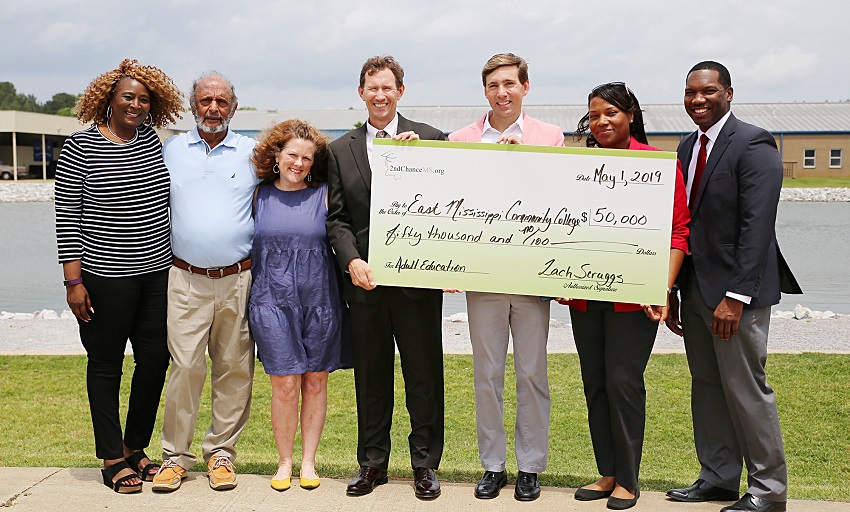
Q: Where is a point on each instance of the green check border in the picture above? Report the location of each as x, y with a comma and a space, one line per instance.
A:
523, 148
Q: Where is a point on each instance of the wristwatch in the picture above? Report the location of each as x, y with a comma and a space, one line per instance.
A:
71, 282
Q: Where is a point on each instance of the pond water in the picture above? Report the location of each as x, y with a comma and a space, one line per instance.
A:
814, 237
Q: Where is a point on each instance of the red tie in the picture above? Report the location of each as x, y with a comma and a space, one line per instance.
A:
703, 142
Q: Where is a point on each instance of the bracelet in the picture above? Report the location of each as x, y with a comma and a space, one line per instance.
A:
71, 282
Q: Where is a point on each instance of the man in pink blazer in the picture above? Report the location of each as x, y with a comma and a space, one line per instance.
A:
493, 315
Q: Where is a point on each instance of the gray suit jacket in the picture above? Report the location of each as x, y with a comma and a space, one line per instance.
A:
349, 197
733, 238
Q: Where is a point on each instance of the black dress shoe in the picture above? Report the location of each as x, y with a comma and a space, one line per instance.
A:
425, 483
750, 503
366, 481
623, 503
702, 491
527, 486
490, 484
583, 494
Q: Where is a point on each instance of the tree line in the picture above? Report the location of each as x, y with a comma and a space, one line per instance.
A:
61, 103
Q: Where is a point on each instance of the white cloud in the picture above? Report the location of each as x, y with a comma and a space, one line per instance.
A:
790, 65
64, 36
295, 54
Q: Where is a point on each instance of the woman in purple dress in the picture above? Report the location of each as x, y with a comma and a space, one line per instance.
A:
296, 312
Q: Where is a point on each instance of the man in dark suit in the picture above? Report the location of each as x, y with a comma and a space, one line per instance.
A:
734, 274
381, 314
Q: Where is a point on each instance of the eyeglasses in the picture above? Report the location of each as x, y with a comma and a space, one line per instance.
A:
614, 84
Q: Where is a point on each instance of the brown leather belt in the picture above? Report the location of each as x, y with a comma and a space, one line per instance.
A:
216, 272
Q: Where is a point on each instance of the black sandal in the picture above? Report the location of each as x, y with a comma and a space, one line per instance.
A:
149, 471
120, 486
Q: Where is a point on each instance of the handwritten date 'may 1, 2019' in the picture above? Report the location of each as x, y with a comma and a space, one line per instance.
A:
611, 179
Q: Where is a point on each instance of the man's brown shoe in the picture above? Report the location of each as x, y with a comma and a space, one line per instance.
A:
221, 473
169, 477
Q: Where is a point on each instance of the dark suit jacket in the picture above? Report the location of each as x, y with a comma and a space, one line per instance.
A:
733, 237
349, 196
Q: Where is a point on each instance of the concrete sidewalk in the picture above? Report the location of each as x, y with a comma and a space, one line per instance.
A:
77, 489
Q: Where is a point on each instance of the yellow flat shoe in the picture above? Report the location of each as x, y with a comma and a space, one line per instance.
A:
309, 483
281, 485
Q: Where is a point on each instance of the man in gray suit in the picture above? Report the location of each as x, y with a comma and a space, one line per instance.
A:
734, 274
383, 317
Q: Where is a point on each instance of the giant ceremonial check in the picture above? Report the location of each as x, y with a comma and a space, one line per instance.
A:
532, 220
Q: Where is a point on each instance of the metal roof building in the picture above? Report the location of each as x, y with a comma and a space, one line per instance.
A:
811, 137
663, 119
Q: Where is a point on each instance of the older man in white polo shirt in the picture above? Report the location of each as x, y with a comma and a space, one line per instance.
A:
212, 184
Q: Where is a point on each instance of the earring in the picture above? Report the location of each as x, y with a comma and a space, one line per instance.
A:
309, 177
149, 120
109, 111
276, 169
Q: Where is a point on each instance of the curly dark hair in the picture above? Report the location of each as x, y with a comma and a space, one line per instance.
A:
617, 94
273, 140
166, 98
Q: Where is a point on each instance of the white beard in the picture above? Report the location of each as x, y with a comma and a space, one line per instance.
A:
211, 129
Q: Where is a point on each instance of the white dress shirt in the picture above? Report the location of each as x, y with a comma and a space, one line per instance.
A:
372, 132
490, 134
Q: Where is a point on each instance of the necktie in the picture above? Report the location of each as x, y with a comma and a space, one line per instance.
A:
703, 142
382, 135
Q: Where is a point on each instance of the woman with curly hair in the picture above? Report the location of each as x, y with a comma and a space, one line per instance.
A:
296, 312
112, 230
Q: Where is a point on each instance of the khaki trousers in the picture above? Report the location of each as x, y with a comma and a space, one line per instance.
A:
207, 315
492, 316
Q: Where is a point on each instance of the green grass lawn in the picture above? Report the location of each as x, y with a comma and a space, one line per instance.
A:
46, 422
842, 182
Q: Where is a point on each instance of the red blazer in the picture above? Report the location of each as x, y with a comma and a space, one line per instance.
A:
679, 235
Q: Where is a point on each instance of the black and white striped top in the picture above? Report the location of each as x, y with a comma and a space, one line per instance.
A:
112, 204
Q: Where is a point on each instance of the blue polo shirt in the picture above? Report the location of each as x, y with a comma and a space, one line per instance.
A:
211, 196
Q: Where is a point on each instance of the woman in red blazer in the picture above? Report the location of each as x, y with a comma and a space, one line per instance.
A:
614, 340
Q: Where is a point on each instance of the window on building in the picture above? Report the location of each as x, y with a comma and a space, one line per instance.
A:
834, 158
808, 158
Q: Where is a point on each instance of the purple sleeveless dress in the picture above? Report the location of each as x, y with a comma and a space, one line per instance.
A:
296, 312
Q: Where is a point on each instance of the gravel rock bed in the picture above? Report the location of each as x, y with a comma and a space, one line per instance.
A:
23, 192
829, 195
52, 333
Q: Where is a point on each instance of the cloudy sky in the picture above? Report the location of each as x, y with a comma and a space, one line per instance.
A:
285, 54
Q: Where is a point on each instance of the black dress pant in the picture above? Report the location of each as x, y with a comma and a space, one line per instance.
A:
131, 308
416, 327
614, 348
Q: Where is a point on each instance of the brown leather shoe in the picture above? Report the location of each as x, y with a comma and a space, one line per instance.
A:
366, 481
425, 483
221, 473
